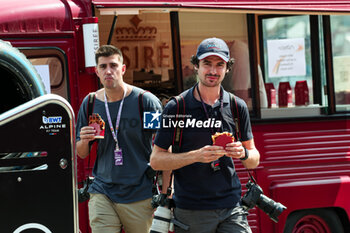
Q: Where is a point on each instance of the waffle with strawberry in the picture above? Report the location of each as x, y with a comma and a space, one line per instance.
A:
222, 139
96, 121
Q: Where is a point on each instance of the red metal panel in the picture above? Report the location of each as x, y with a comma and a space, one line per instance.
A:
303, 165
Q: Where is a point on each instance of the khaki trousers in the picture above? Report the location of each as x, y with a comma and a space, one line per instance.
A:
109, 217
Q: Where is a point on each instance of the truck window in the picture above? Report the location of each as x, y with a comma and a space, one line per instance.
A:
289, 81
50, 65
146, 43
196, 26
340, 28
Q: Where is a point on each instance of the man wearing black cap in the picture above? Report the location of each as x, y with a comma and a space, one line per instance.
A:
207, 189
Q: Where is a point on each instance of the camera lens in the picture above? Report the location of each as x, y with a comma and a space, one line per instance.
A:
270, 207
161, 220
254, 196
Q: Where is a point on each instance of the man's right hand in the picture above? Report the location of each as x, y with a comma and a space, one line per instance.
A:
209, 153
87, 134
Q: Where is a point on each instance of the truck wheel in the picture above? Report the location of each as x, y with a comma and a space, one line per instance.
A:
20, 81
314, 221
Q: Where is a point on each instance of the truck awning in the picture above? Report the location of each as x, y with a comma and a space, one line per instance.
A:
249, 5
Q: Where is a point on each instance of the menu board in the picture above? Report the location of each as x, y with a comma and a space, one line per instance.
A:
286, 57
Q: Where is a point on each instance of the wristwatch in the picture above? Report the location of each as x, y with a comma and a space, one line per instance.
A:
246, 154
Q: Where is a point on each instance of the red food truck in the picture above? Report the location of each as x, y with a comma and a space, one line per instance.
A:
292, 67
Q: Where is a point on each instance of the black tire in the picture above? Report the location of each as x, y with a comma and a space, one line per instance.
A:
314, 221
20, 81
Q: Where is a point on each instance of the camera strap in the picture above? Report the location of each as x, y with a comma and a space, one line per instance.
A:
149, 172
235, 115
177, 137
141, 108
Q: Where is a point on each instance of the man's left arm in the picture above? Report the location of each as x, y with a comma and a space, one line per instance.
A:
248, 154
250, 160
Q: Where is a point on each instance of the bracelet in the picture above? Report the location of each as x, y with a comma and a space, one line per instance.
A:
246, 154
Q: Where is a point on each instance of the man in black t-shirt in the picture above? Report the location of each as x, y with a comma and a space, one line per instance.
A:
207, 199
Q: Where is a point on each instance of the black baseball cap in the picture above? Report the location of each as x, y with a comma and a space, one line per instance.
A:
213, 46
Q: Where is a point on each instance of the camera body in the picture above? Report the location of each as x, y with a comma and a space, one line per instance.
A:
159, 200
255, 197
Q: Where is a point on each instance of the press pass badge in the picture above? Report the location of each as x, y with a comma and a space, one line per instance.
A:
118, 157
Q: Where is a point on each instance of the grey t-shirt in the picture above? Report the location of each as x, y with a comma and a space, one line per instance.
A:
128, 182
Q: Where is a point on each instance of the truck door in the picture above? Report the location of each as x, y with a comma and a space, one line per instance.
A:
37, 169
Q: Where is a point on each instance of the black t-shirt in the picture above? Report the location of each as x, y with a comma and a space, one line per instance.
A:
198, 186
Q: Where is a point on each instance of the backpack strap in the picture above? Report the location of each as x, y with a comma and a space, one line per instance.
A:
93, 144
140, 101
141, 108
150, 173
91, 103
235, 115
177, 138
90, 108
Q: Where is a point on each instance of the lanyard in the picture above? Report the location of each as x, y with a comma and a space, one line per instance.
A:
205, 108
118, 117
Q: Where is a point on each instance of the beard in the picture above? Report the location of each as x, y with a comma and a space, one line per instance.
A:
211, 82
